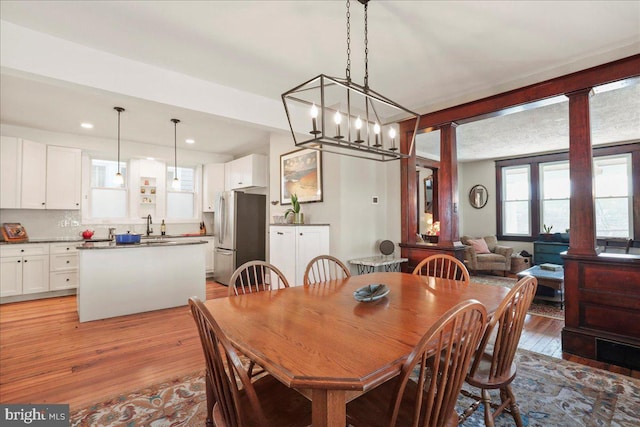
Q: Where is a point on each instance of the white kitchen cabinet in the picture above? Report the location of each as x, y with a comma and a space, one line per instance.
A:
63, 266
292, 247
63, 178
37, 176
245, 172
10, 160
211, 249
33, 176
25, 269
213, 183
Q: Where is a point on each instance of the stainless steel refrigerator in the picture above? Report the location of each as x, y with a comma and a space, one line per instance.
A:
240, 229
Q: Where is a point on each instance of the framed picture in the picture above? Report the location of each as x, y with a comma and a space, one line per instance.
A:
301, 174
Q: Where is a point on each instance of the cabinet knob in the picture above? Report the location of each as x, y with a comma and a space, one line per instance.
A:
25, 261
67, 279
67, 262
280, 233
43, 203
19, 261
301, 234
77, 204
21, 250
68, 248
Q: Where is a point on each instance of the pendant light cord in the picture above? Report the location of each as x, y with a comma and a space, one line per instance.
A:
366, 49
175, 147
119, 110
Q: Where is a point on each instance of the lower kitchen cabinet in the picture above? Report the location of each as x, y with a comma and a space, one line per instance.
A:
25, 269
291, 247
63, 262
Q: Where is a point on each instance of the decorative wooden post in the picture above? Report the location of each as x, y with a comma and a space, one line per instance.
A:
448, 186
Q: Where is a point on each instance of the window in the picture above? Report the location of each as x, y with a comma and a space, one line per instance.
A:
613, 207
181, 201
546, 178
555, 193
516, 196
108, 199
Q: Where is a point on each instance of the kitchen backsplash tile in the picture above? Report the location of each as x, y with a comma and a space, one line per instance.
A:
41, 224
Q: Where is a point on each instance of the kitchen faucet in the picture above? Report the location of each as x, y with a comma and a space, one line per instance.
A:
149, 222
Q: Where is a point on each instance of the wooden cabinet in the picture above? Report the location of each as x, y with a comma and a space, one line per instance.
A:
25, 269
63, 178
292, 247
245, 172
63, 263
37, 176
213, 184
548, 252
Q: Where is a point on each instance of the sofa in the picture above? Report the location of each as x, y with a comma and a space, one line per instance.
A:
484, 253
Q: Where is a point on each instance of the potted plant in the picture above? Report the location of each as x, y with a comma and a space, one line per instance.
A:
298, 217
546, 232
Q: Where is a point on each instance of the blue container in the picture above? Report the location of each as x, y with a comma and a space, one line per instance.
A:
127, 239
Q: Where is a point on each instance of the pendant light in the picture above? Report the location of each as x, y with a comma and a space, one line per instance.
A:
362, 118
175, 184
119, 179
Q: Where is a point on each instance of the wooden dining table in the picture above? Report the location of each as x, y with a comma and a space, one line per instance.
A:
331, 348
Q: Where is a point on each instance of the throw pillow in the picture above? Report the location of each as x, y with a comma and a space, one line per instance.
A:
480, 245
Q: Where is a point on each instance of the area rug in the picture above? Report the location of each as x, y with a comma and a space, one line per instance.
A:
539, 308
550, 393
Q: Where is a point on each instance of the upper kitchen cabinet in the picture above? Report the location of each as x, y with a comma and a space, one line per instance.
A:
37, 176
213, 183
63, 178
245, 172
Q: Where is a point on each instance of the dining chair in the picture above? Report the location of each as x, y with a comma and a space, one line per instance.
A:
444, 266
234, 400
256, 276
493, 366
324, 268
426, 391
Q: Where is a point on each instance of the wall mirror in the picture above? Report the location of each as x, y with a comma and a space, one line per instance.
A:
478, 196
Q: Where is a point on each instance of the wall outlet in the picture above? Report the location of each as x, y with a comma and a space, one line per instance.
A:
374, 200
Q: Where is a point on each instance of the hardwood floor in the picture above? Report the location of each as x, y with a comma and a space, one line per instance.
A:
47, 356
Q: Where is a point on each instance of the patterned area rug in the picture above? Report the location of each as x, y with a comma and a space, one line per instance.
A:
550, 393
539, 308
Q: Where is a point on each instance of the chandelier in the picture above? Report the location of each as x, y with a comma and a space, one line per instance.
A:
339, 116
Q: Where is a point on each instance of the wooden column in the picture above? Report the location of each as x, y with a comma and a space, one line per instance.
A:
448, 186
582, 202
408, 189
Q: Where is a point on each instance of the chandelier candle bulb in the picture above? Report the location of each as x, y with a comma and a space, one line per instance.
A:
358, 127
338, 119
376, 131
392, 135
314, 119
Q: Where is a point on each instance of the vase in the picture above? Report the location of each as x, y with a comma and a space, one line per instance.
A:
298, 218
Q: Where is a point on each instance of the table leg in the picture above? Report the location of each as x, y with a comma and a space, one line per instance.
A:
328, 408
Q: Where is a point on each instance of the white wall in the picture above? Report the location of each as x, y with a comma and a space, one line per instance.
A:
349, 184
481, 222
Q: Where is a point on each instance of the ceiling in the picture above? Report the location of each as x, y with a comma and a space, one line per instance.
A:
424, 55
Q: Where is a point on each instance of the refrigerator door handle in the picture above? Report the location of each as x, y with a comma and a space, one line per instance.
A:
221, 215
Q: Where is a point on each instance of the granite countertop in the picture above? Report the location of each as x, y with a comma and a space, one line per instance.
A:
297, 225
157, 243
96, 240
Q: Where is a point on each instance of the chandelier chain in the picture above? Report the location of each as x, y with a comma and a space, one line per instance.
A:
348, 42
366, 49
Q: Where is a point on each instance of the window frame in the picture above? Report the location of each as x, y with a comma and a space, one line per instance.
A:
87, 212
197, 194
632, 148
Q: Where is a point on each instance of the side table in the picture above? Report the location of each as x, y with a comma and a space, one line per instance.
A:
550, 283
369, 264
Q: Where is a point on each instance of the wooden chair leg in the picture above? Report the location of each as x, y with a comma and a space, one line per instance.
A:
515, 411
488, 415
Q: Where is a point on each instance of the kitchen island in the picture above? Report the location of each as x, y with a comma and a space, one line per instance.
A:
116, 280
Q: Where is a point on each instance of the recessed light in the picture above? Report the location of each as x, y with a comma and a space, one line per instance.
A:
190, 141
86, 125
